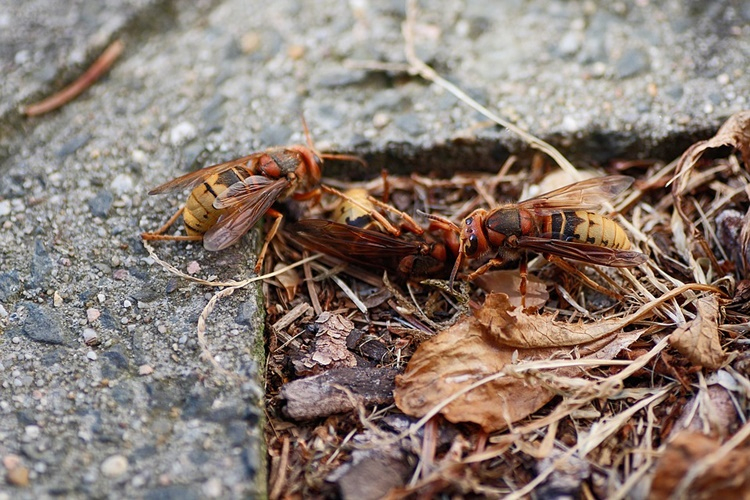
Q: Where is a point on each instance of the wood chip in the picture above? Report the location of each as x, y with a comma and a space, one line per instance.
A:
318, 396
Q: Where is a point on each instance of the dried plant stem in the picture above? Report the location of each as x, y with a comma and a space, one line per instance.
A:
231, 283
280, 480
231, 286
205, 351
595, 437
95, 71
419, 67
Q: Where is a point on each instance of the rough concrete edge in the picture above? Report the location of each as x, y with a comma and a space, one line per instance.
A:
142, 23
259, 353
487, 153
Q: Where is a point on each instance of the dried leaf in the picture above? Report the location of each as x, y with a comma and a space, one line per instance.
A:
735, 132
455, 359
509, 283
289, 280
698, 340
467, 352
728, 478
512, 327
716, 412
330, 350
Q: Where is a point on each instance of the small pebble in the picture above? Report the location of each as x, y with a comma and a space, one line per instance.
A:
101, 298
11, 461
120, 274
18, 476
5, 208
22, 57
145, 370
92, 314
33, 431
57, 300
250, 42
296, 51
193, 267
114, 466
212, 488
122, 183
92, 356
90, 337
182, 133
139, 156
380, 120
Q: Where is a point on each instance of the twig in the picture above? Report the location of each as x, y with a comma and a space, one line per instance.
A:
205, 351
95, 71
231, 286
311, 291
231, 283
280, 480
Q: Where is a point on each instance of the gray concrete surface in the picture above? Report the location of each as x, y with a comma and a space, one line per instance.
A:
141, 414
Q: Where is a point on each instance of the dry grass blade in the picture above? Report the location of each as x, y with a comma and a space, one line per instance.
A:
205, 351
231, 286
231, 283
597, 437
95, 71
419, 67
281, 471
350, 293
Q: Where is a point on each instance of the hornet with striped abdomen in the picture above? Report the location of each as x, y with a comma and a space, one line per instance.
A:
559, 223
229, 198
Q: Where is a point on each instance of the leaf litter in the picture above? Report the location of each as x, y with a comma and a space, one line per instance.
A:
578, 391
393, 389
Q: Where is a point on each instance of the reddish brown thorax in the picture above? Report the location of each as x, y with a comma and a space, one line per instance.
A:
310, 169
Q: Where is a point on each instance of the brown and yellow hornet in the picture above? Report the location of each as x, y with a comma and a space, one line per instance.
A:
229, 198
560, 223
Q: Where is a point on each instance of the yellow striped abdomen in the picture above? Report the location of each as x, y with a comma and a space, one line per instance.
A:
588, 227
350, 214
200, 215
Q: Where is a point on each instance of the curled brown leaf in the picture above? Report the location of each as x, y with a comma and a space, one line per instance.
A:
469, 359
699, 340
512, 327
